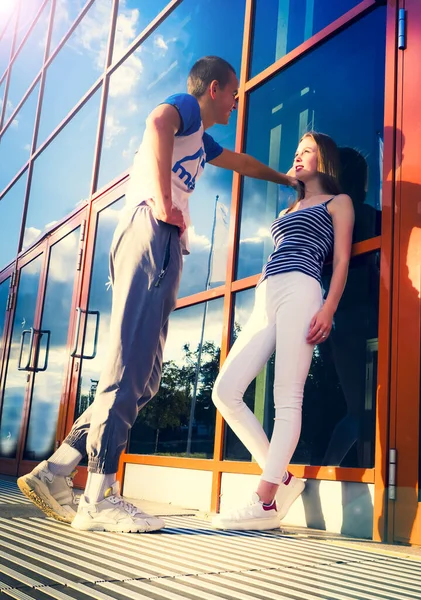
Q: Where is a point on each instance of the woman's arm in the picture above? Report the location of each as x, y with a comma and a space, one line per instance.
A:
342, 212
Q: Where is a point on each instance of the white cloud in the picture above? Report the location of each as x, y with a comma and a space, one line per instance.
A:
127, 29
31, 234
198, 242
15, 123
113, 129
126, 77
159, 42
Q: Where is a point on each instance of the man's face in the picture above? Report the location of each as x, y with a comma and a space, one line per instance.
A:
225, 99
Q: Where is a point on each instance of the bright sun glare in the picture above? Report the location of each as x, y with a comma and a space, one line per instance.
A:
6, 8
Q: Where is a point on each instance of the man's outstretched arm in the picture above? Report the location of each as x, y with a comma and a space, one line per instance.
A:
251, 167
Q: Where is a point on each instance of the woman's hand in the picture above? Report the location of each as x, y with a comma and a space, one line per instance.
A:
320, 326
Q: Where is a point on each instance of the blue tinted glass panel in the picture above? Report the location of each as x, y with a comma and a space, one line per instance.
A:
62, 173
282, 25
65, 14
301, 98
11, 207
180, 420
28, 63
2, 88
27, 13
133, 17
16, 380
48, 384
15, 146
160, 68
8, 20
82, 58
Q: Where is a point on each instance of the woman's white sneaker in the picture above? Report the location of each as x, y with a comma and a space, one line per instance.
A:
287, 494
254, 516
114, 514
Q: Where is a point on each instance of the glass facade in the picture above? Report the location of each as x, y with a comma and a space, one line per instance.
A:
60, 158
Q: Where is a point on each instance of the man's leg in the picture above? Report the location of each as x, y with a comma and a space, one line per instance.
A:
161, 262
146, 263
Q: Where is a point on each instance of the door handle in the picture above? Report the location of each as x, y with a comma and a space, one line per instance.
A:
24, 333
74, 353
42, 332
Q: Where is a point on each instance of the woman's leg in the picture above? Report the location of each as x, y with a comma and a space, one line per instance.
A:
296, 306
250, 352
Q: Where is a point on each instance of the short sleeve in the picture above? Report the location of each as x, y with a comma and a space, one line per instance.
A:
189, 111
212, 148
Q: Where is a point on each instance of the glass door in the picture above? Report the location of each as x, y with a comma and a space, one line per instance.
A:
38, 355
92, 313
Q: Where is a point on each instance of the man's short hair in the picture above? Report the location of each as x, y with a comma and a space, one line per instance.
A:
206, 70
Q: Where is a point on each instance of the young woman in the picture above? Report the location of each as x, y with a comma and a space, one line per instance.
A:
290, 316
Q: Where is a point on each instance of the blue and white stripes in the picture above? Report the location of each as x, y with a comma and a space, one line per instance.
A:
303, 239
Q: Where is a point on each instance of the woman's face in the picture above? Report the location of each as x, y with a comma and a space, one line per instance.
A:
305, 160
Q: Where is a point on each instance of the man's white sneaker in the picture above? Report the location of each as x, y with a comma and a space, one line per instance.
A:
252, 517
287, 494
53, 494
114, 514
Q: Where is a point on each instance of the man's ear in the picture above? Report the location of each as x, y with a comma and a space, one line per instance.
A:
213, 88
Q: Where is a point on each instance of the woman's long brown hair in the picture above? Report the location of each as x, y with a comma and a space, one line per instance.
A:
327, 163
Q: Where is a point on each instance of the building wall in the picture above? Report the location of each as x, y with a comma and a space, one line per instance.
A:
77, 80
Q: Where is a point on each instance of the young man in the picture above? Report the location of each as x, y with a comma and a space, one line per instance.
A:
145, 266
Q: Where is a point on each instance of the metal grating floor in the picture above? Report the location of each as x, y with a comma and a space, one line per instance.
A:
43, 559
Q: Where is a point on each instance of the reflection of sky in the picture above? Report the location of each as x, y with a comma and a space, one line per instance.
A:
133, 17
16, 142
6, 39
99, 297
65, 14
82, 58
302, 97
2, 88
11, 206
48, 384
281, 25
16, 380
186, 325
62, 173
28, 62
27, 13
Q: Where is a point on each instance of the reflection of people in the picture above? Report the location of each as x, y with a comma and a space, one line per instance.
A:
289, 314
355, 322
145, 265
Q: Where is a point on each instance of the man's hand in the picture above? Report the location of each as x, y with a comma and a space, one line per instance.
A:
296, 184
175, 217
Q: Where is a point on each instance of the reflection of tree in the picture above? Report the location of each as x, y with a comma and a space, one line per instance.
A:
170, 407
167, 415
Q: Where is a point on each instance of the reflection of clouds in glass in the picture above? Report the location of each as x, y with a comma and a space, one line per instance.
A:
185, 328
31, 234
125, 79
11, 206
91, 36
133, 17
159, 68
55, 190
16, 141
